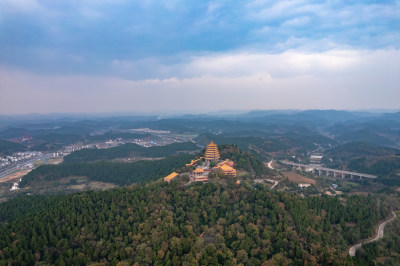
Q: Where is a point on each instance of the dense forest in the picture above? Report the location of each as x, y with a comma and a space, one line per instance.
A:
385, 251
366, 158
271, 144
129, 149
382, 166
9, 147
340, 155
117, 173
161, 224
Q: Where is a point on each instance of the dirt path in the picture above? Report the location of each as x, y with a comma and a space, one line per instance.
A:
275, 183
270, 165
379, 235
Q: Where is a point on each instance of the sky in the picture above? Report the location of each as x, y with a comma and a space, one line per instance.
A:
91, 56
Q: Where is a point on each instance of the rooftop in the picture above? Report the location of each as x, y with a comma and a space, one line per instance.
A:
171, 176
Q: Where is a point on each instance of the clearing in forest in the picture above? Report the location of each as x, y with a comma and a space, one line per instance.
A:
294, 177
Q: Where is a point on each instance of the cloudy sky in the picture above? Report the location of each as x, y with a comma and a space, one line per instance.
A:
197, 56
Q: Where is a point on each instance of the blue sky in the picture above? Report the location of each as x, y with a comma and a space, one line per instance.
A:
154, 56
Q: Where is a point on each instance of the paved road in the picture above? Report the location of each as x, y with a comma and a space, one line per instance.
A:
269, 180
353, 249
16, 167
317, 167
270, 165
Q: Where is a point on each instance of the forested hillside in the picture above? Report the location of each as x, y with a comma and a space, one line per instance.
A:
244, 160
8, 147
385, 251
173, 224
271, 144
117, 173
130, 149
366, 158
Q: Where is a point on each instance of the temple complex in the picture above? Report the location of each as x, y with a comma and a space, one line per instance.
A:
202, 170
212, 153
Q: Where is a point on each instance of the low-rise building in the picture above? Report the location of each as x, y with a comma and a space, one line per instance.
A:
203, 179
226, 167
198, 172
171, 176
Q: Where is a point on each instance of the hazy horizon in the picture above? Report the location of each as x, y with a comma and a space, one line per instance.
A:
189, 113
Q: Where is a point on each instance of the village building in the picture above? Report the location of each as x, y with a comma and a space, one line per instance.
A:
212, 153
171, 176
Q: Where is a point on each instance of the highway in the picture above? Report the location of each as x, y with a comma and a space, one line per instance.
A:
15, 167
327, 170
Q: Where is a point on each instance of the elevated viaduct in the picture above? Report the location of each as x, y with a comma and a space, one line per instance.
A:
328, 171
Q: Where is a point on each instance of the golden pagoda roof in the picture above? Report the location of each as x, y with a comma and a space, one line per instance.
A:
198, 170
227, 168
171, 176
212, 144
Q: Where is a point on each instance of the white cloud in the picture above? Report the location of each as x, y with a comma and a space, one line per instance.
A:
290, 63
297, 22
21, 5
335, 79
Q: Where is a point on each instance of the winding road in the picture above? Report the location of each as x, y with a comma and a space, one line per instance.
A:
353, 249
269, 180
270, 165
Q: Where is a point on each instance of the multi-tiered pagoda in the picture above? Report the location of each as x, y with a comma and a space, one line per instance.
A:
212, 153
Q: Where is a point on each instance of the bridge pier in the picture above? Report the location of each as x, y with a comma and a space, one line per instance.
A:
319, 172
327, 173
351, 176
342, 175
334, 174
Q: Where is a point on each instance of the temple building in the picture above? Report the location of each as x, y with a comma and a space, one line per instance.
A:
226, 162
226, 167
194, 162
203, 179
212, 153
169, 177
228, 170
198, 172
